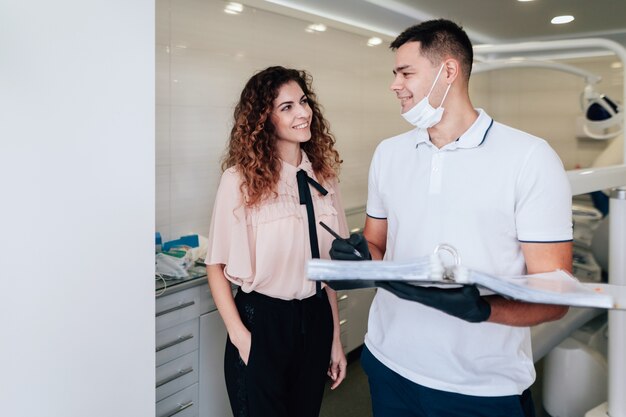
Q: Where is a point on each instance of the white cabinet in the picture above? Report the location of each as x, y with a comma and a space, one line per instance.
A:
182, 404
354, 306
212, 388
190, 341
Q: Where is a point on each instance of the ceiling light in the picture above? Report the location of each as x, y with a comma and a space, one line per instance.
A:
617, 65
316, 27
374, 41
233, 8
559, 20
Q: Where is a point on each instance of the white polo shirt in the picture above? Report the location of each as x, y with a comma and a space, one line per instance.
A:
484, 194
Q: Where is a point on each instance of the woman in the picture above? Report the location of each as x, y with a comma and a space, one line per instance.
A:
279, 182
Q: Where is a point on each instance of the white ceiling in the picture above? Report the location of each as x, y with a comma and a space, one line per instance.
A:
486, 21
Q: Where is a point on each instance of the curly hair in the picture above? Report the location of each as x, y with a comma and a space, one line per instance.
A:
252, 145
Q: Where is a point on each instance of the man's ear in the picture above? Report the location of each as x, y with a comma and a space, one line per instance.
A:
452, 69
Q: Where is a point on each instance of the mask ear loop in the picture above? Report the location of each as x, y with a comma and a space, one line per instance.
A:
432, 87
435, 82
445, 95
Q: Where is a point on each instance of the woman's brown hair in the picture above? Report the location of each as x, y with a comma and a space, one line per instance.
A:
252, 148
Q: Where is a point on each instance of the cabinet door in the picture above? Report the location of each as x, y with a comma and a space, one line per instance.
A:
213, 396
357, 315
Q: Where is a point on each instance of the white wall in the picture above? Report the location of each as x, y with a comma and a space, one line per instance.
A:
77, 222
204, 58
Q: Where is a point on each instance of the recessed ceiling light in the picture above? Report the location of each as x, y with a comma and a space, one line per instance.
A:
316, 27
374, 41
559, 20
233, 8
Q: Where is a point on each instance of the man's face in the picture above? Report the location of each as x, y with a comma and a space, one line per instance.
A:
414, 75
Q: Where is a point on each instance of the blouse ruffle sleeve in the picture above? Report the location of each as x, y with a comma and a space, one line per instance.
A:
341, 214
229, 241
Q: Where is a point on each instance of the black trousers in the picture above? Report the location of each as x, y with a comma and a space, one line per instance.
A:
289, 356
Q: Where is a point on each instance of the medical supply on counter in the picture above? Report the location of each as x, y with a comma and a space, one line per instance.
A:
173, 267
190, 240
177, 256
157, 242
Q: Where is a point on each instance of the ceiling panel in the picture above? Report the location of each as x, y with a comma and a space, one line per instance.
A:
508, 20
486, 21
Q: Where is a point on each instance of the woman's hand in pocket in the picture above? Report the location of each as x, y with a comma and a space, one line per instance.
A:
243, 342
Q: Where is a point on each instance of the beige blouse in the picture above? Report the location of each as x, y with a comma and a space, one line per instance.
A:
265, 248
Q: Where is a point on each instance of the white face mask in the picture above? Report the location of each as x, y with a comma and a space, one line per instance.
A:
423, 115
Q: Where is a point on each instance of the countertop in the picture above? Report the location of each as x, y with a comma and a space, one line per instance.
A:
197, 276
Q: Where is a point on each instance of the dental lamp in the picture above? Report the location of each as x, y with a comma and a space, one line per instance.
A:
604, 118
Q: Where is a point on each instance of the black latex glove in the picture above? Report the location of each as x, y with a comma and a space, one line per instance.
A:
350, 284
464, 302
345, 249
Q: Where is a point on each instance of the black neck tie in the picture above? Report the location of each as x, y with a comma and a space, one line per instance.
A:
305, 198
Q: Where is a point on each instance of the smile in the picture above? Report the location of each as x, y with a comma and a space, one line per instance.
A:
302, 126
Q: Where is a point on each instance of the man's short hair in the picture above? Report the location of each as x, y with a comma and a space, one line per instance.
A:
440, 38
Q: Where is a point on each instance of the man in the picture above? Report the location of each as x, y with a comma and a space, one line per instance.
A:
500, 197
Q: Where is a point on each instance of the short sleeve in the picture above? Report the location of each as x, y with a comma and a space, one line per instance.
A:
375, 205
228, 237
543, 211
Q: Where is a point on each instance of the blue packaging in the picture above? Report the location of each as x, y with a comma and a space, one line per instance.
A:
191, 240
157, 242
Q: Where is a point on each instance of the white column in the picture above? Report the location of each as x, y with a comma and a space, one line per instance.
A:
617, 319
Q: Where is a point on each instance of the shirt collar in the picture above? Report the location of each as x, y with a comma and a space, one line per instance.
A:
472, 138
288, 171
477, 133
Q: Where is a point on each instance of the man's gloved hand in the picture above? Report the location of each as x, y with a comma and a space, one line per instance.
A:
464, 302
353, 248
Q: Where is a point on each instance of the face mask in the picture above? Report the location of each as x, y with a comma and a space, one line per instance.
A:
423, 115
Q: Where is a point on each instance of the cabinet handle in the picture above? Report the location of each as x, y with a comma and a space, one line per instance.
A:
181, 339
343, 297
173, 377
178, 307
179, 409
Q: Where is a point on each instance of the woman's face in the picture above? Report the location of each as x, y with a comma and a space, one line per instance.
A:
291, 114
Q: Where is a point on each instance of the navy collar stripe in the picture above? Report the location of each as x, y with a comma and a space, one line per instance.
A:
486, 131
